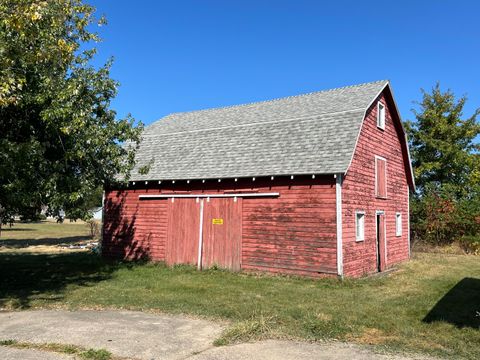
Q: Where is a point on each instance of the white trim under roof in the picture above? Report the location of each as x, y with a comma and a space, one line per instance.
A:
215, 195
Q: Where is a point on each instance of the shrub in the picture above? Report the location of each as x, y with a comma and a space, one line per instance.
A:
470, 244
441, 217
93, 228
433, 217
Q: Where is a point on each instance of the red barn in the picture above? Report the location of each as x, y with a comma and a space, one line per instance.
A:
315, 184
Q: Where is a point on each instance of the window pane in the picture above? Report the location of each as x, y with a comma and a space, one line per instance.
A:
398, 224
360, 226
381, 116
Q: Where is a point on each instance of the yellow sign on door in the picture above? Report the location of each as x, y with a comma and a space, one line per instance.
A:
217, 221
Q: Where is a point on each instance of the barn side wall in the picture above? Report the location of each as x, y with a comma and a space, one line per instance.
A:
294, 233
358, 192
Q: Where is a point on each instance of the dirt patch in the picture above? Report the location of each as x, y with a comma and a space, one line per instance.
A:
373, 336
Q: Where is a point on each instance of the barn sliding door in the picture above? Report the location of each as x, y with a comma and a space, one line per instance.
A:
213, 225
183, 231
222, 233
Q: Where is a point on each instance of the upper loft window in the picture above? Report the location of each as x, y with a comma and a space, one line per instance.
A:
381, 116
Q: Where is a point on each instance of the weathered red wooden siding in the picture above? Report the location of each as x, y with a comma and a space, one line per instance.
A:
134, 229
295, 233
358, 193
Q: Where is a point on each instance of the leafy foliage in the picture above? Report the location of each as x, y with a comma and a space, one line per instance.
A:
60, 141
443, 144
447, 169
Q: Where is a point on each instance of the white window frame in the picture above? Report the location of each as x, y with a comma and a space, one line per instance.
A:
362, 235
376, 180
398, 224
381, 115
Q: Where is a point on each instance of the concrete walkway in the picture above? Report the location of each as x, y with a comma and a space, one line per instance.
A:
25, 354
124, 333
289, 350
137, 335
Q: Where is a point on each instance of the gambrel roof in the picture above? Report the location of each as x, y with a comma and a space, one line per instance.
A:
315, 133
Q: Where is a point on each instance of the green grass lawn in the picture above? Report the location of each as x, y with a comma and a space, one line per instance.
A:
429, 305
43, 233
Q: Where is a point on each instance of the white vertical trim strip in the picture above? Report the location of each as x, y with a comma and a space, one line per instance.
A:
200, 238
338, 198
103, 219
408, 221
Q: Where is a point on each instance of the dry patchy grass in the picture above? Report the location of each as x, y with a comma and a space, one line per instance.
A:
42, 237
77, 351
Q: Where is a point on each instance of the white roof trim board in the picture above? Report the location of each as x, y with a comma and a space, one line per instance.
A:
314, 133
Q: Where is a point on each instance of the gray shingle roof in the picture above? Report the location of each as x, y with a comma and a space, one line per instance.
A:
306, 134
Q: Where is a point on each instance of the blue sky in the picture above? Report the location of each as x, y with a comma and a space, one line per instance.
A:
177, 55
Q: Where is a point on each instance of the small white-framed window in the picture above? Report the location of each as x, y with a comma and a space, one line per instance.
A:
381, 116
398, 224
359, 225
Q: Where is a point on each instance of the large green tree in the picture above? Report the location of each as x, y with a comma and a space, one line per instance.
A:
59, 138
446, 161
442, 142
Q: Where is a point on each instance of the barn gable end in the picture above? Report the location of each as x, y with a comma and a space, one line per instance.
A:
360, 193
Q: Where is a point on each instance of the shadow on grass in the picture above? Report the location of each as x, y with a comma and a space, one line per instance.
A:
22, 243
13, 229
27, 277
460, 306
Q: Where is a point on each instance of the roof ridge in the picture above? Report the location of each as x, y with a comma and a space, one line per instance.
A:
300, 118
272, 100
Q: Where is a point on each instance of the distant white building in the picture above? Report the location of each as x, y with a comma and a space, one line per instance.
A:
97, 213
